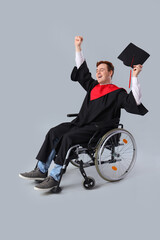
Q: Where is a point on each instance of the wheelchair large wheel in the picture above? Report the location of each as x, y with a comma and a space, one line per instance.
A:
115, 154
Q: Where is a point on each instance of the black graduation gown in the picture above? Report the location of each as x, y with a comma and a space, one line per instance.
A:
94, 114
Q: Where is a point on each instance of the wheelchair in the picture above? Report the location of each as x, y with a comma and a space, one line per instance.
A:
113, 155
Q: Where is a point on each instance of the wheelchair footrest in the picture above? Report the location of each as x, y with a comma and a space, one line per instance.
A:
56, 189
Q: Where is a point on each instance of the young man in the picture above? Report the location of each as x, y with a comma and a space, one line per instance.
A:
101, 106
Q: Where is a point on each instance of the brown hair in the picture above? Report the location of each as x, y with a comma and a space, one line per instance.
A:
109, 66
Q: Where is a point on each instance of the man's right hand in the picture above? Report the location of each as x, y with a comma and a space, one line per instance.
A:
78, 42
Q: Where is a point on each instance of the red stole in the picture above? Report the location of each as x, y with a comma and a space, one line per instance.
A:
101, 90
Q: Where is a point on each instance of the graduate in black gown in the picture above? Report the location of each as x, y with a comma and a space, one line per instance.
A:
101, 109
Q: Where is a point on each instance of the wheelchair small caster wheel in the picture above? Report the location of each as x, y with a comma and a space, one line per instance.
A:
89, 183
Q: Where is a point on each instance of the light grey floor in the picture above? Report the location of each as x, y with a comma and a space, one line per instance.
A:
121, 210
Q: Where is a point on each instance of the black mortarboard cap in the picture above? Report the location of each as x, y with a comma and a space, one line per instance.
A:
133, 55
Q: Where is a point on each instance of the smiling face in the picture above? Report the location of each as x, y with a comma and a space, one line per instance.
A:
103, 75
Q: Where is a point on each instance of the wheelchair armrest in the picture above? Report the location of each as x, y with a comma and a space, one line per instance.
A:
72, 115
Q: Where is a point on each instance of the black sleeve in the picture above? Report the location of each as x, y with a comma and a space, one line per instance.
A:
128, 102
83, 76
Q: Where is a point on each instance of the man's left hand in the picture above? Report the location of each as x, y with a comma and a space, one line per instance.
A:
137, 69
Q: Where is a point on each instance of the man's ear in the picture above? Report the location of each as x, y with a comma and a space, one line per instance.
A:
111, 73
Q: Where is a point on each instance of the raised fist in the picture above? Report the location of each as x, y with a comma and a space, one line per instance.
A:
137, 69
78, 41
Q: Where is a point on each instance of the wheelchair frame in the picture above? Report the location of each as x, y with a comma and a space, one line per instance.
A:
110, 143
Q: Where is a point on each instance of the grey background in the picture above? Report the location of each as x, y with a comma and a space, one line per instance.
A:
37, 56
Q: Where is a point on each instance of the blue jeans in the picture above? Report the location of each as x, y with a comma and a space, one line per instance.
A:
43, 167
